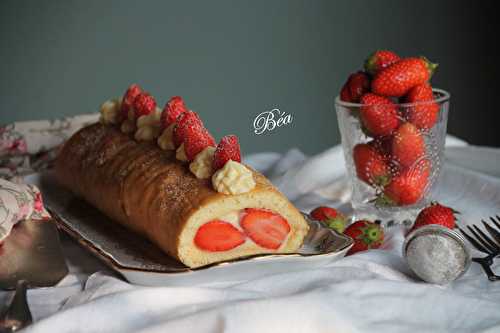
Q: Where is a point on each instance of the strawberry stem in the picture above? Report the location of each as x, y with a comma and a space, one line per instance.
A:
370, 63
337, 224
384, 201
431, 67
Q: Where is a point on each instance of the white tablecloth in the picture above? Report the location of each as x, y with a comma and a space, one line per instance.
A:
368, 292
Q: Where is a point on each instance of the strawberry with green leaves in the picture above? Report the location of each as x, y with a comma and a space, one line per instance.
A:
330, 216
397, 79
366, 235
378, 115
379, 60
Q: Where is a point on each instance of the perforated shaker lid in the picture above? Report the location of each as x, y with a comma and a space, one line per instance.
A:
436, 254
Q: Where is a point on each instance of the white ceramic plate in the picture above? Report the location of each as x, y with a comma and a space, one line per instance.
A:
141, 262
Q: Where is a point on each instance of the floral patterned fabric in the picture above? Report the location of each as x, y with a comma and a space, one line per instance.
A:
27, 147
19, 202
30, 146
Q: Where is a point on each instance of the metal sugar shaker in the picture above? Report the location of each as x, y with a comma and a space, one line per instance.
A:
436, 254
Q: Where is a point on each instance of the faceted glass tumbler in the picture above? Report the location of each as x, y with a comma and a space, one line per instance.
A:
393, 162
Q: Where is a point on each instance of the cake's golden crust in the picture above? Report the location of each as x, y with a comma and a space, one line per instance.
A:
139, 185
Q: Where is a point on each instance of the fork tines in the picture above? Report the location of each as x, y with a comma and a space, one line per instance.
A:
485, 243
480, 240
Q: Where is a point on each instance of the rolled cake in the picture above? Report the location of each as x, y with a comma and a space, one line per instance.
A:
150, 192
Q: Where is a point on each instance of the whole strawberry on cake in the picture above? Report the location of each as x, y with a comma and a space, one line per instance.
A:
160, 173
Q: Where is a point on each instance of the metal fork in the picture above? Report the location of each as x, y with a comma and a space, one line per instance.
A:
485, 244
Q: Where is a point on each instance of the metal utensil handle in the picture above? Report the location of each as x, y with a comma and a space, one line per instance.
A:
486, 263
18, 314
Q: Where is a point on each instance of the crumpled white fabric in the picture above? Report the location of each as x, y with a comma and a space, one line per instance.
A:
367, 292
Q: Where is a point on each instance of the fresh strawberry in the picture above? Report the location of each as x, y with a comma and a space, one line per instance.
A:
323, 213
379, 60
128, 100
370, 164
144, 104
378, 114
383, 145
357, 84
425, 113
196, 141
435, 214
264, 227
397, 79
408, 145
366, 235
408, 187
218, 235
330, 216
227, 149
345, 94
172, 110
187, 123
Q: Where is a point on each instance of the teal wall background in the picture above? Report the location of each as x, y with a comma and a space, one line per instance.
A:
232, 60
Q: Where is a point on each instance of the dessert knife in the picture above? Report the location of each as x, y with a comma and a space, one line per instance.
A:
30, 257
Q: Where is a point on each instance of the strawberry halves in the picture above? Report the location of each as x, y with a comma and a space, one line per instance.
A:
227, 149
144, 104
128, 100
265, 228
217, 235
172, 110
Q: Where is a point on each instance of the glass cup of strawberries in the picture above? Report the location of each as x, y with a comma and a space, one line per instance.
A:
393, 128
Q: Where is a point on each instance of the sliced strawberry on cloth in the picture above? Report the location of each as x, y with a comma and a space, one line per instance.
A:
218, 235
265, 228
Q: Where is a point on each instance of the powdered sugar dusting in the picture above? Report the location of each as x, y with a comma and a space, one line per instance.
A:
436, 258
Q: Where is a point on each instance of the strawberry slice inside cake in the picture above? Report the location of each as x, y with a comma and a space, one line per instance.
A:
258, 228
265, 228
218, 235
